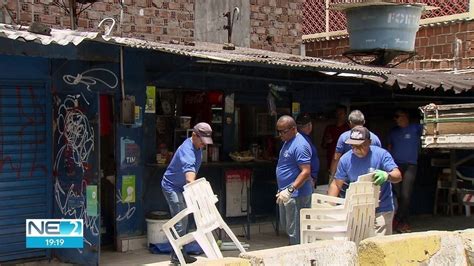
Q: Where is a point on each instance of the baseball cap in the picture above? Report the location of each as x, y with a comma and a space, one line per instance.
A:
358, 135
303, 119
204, 131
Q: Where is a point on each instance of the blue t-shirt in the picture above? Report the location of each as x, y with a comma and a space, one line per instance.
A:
350, 167
186, 159
405, 142
293, 153
342, 147
314, 157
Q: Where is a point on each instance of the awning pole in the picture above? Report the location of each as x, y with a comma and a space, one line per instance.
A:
122, 83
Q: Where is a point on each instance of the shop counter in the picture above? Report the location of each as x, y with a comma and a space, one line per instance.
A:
245, 185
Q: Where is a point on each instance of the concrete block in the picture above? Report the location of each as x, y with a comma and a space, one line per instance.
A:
467, 237
131, 243
427, 248
326, 252
229, 261
122, 245
451, 251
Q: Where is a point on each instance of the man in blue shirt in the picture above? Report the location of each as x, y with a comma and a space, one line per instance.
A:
181, 170
362, 159
356, 118
293, 177
403, 144
305, 126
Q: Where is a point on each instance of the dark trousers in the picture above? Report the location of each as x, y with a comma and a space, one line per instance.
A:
403, 191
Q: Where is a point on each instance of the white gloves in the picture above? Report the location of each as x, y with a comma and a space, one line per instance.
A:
283, 196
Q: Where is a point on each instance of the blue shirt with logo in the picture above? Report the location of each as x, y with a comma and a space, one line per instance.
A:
186, 159
314, 157
342, 147
405, 143
350, 167
293, 153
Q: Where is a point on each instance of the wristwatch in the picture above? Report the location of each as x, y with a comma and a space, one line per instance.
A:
291, 189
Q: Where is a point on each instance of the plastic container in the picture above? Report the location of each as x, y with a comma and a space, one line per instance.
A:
155, 221
185, 122
390, 27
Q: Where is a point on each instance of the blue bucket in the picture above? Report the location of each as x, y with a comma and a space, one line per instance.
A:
391, 27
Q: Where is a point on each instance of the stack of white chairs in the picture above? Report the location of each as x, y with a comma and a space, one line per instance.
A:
351, 218
201, 203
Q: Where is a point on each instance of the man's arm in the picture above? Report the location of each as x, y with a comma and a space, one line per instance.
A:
303, 176
190, 177
394, 176
335, 161
335, 187
285, 195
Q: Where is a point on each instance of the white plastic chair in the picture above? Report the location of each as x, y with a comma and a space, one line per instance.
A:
360, 187
355, 225
351, 218
201, 203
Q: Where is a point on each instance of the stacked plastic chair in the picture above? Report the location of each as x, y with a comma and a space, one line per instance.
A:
201, 203
351, 218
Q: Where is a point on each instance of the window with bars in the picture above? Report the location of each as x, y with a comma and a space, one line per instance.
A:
314, 13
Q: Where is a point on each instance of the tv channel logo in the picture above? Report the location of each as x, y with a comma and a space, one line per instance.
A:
54, 233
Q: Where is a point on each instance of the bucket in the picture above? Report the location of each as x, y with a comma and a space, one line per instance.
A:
383, 27
155, 233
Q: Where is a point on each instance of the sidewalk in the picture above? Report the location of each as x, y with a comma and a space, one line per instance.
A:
270, 240
263, 240
144, 257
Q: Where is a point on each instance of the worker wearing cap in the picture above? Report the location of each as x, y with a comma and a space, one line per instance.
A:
305, 126
356, 118
362, 159
181, 170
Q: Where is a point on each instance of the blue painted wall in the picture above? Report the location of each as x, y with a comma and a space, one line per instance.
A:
129, 215
76, 152
24, 68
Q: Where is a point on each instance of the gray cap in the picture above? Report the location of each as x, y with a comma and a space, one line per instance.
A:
204, 131
358, 135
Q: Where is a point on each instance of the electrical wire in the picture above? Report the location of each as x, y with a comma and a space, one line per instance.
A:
89, 80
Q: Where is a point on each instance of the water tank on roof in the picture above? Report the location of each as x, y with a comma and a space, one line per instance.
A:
390, 27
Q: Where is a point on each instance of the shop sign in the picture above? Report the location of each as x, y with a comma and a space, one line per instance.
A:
150, 106
128, 188
129, 153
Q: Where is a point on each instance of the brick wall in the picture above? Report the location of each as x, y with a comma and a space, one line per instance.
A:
155, 20
434, 47
276, 25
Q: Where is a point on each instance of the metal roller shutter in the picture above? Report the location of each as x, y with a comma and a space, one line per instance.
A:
25, 163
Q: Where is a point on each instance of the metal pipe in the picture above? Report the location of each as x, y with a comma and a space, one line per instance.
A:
109, 30
122, 83
457, 53
18, 10
72, 13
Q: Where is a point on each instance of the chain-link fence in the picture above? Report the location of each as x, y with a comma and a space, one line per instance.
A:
314, 13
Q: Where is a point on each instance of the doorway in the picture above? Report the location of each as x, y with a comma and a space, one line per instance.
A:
108, 170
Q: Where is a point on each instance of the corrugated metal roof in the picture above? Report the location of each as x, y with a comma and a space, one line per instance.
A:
203, 50
255, 57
